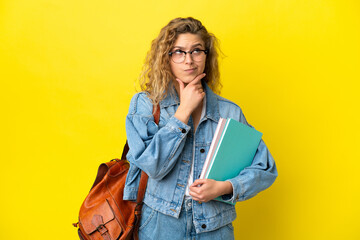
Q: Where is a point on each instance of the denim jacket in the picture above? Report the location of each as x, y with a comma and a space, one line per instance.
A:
165, 153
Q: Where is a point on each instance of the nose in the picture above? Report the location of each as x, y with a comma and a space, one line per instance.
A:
188, 58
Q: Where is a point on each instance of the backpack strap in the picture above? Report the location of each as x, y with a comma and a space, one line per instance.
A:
144, 177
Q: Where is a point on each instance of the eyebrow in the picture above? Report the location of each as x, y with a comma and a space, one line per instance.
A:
195, 45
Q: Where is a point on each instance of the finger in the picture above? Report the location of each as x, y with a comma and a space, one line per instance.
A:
198, 87
198, 182
198, 198
181, 84
194, 189
194, 195
197, 79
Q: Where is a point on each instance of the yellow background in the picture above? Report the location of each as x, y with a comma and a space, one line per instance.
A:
68, 71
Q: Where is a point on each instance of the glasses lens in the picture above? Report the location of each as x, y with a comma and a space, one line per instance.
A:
178, 57
198, 56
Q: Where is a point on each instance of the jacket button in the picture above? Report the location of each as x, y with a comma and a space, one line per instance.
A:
183, 131
202, 150
203, 226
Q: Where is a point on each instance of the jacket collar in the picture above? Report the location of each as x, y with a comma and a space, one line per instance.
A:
212, 106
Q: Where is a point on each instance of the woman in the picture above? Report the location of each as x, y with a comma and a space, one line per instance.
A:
180, 76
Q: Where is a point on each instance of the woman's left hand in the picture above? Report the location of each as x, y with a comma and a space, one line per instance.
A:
204, 190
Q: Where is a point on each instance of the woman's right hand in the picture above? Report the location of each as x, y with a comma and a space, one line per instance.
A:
191, 97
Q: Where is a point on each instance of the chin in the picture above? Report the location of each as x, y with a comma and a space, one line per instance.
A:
189, 79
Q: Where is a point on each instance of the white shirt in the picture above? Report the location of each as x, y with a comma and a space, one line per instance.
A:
191, 176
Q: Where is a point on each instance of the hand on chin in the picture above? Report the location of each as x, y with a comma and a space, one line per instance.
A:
188, 79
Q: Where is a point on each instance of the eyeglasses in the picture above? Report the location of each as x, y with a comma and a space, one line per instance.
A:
197, 55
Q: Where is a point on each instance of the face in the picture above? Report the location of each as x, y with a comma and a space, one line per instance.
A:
189, 69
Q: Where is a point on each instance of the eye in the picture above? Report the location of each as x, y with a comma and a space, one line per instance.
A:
178, 52
196, 51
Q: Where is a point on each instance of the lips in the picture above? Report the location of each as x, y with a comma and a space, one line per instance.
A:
190, 70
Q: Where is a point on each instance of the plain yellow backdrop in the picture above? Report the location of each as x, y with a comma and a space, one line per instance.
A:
68, 70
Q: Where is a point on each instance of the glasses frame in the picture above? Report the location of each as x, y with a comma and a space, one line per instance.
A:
185, 52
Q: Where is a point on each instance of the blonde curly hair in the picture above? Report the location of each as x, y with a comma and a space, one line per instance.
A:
156, 75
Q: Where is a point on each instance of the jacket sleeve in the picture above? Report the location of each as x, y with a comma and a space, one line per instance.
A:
153, 149
257, 177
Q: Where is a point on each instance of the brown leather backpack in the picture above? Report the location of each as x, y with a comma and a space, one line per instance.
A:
104, 214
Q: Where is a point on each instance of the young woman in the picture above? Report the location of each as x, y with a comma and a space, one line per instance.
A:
181, 76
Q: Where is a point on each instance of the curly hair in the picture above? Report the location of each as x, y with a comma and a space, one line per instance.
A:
156, 75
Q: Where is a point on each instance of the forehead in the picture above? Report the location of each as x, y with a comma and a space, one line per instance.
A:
187, 40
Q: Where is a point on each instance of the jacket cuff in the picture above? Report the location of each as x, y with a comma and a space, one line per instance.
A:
235, 196
178, 126
130, 194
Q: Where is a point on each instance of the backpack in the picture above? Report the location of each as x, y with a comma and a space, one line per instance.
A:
104, 214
